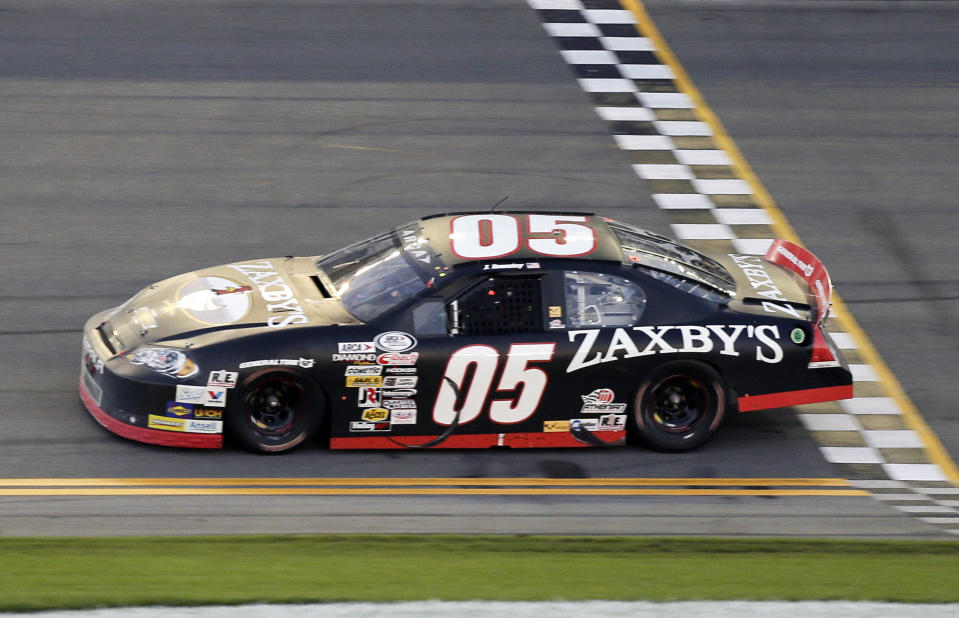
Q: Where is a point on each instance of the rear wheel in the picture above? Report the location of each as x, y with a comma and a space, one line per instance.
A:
679, 406
275, 412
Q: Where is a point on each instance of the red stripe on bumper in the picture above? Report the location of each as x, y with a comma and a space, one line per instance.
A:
794, 398
478, 440
150, 436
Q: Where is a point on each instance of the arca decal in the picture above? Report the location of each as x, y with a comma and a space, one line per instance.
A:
492, 236
697, 339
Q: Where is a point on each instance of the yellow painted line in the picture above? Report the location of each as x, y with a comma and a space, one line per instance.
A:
415, 491
890, 385
420, 482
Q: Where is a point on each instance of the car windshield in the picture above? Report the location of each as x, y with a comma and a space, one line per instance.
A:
372, 276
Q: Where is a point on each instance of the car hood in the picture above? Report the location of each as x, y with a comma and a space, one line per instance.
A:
256, 295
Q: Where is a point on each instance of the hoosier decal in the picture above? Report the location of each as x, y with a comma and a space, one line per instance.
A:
648, 340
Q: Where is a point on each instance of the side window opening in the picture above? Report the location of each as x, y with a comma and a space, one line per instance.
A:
498, 306
598, 300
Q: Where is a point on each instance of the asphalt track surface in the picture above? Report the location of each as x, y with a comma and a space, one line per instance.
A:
140, 140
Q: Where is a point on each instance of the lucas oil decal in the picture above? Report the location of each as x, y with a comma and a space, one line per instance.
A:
648, 340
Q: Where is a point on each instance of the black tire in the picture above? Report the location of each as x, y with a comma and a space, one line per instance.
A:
274, 412
679, 406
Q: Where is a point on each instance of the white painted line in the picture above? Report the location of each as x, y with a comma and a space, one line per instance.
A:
941, 491
703, 157
668, 201
899, 497
589, 56
892, 438
643, 142
702, 231
952, 503
603, 16
671, 100
914, 472
925, 509
683, 127
577, 29
663, 172
940, 520
722, 186
877, 484
851, 454
742, 216
844, 341
567, 5
607, 85
870, 405
627, 43
830, 422
752, 246
863, 373
625, 113
646, 71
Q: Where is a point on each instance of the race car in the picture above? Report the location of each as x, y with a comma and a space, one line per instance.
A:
468, 330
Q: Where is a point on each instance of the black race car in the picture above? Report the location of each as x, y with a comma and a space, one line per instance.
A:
468, 330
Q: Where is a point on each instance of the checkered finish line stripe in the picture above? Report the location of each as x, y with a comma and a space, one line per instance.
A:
714, 201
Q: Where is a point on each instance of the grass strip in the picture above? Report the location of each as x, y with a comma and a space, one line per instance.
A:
48, 573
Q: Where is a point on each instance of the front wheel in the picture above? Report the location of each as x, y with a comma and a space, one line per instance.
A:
275, 412
679, 406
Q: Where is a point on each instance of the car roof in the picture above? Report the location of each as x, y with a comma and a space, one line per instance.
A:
479, 231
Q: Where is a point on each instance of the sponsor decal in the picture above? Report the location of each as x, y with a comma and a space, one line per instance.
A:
557, 324
376, 414
354, 358
364, 370
589, 424
214, 396
400, 381
203, 426
555, 311
167, 361
367, 397
415, 245
555, 426
650, 340
399, 403
305, 363
166, 424
400, 393
356, 347
179, 410
601, 400
397, 358
92, 387
395, 341
797, 336
512, 266
91, 360
145, 318
279, 296
403, 416
355, 381
224, 379
401, 370
753, 266
368, 426
207, 413
612, 422
202, 299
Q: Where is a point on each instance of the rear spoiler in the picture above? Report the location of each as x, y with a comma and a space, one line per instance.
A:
802, 262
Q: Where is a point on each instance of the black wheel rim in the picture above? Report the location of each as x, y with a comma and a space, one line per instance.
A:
677, 403
275, 406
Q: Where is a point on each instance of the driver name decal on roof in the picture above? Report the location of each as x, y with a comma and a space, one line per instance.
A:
699, 339
276, 292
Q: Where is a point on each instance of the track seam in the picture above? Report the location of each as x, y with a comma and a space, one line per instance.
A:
714, 201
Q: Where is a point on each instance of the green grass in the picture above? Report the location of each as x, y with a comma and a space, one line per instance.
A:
80, 573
